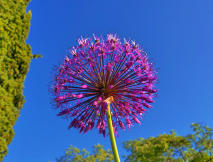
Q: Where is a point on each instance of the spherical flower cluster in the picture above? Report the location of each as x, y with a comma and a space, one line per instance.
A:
98, 70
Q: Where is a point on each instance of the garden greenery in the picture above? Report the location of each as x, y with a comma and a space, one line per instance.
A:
194, 147
15, 57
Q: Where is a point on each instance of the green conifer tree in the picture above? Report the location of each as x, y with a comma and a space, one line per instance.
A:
15, 57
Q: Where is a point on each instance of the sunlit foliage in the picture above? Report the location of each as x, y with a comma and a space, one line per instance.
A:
15, 56
73, 154
194, 147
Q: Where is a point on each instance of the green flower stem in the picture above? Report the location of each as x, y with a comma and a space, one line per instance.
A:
112, 137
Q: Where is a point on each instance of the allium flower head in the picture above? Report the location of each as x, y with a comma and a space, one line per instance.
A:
98, 71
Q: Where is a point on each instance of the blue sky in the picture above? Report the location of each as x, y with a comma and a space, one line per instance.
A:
178, 36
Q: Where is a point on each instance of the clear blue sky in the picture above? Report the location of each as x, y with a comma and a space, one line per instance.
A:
178, 35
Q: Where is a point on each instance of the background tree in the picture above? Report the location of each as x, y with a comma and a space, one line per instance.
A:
195, 147
201, 148
15, 57
73, 154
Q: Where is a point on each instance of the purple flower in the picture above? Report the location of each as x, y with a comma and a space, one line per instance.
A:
97, 69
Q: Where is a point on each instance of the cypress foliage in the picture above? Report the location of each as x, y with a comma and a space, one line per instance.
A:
15, 57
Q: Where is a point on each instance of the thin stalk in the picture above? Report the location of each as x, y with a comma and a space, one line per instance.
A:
112, 137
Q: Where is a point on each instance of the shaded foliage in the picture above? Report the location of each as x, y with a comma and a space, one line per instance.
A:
15, 57
195, 147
